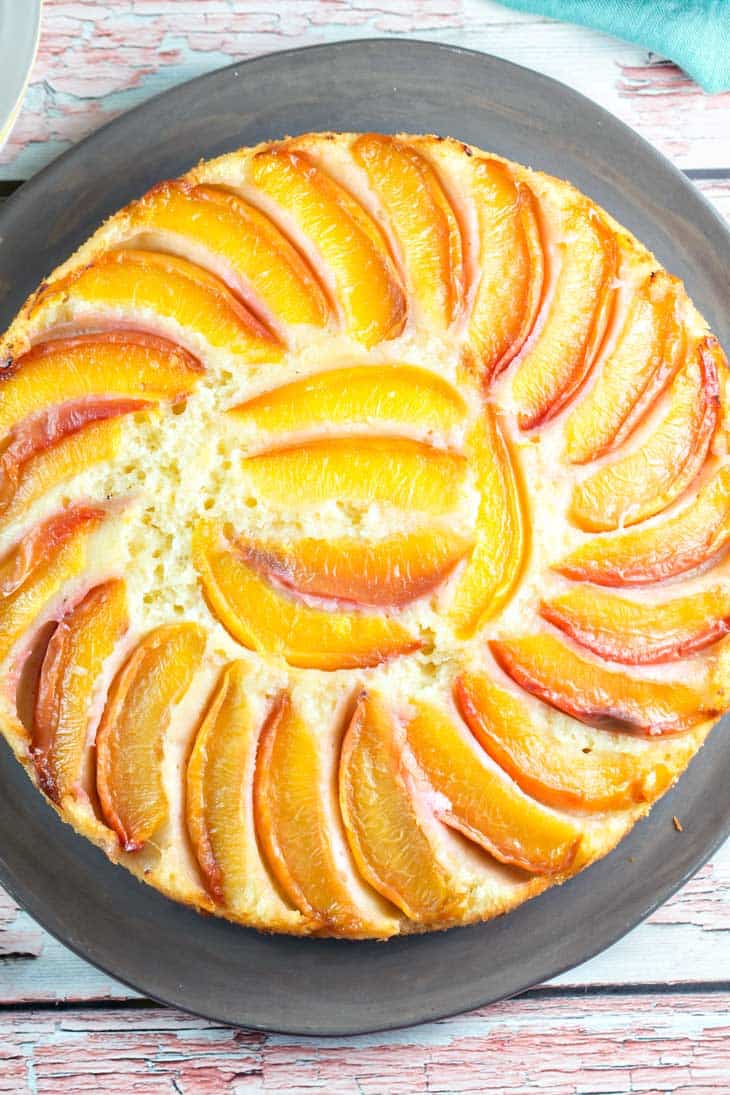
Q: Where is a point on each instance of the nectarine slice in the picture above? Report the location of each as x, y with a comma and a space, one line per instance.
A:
131, 735
350, 244
97, 442
356, 395
37, 453
423, 221
297, 819
266, 270
501, 533
392, 832
172, 288
392, 571
219, 778
390, 470
219, 800
597, 695
550, 767
484, 804
73, 663
646, 356
649, 478
115, 365
511, 260
265, 618
34, 570
636, 632
695, 535
555, 367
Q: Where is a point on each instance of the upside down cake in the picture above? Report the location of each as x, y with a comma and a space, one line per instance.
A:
363, 506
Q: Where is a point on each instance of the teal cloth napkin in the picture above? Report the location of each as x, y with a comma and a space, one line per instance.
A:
693, 33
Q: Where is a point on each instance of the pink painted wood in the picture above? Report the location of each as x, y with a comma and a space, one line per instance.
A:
97, 58
611, 1025
645, 1044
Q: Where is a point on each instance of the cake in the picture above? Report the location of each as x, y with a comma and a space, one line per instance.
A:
363, 513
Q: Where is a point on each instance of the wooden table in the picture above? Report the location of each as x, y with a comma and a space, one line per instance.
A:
650, 1015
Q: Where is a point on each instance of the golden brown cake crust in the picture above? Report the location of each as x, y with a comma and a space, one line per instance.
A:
363, 518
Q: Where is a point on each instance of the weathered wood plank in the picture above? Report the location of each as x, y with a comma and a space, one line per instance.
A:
643, 1044
20, 937
684, 942
98, 58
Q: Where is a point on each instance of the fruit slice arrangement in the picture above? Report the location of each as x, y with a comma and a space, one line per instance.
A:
364, 505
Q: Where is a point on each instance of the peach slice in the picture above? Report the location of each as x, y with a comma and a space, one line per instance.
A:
174, 289
219, 777
265, 618
482, 803
114, 365
296, 817
423, 221
74, 660
510, 290
649, 478
646, 356
392, 833
550, 767
691, 538
261, 262
131, 735
389, 470
502, 537
36, 454
566, 347
392, 571
597, 695
98, 442
356, 395
348, 241
219, 801
33, 571
636, 633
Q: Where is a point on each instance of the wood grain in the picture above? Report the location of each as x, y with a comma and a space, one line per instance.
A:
675, 1043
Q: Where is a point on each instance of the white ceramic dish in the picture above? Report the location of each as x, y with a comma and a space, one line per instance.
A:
20, 24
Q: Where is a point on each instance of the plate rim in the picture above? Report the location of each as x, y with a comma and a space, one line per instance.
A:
667, 892
39, 908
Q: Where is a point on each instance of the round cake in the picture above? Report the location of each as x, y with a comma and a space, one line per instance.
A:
364, 504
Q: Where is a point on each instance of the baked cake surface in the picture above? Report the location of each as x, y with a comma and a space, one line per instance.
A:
363, 513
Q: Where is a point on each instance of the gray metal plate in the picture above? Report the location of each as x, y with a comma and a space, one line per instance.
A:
275, 983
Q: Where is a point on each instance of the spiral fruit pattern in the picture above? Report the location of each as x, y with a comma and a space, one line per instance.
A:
364, 505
